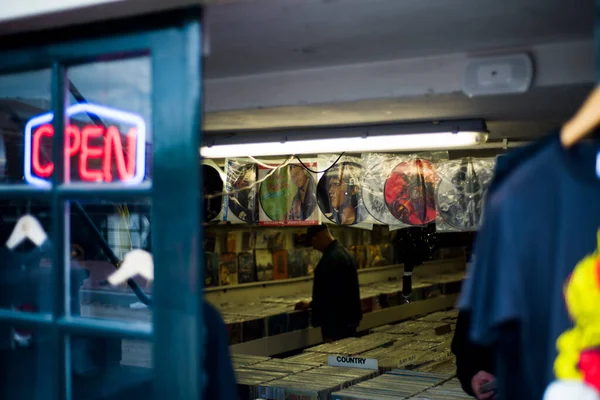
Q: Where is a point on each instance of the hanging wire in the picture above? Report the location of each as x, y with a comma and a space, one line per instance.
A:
258, 162
320, 172
249, 187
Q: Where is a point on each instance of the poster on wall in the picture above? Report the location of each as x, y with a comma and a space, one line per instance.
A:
410, 192
289, 195
460, 193
339, 194
241, 206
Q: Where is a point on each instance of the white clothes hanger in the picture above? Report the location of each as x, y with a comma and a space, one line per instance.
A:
136, 262
28, 227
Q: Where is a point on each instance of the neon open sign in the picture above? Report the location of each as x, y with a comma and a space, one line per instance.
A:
99, 151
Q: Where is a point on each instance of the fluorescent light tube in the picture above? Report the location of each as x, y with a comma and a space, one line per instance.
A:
384, 143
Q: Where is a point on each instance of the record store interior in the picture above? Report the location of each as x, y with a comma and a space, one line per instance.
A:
300, 200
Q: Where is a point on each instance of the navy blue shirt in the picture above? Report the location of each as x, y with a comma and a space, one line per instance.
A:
539, 223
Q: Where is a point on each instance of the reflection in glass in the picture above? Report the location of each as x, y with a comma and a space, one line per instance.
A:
102, 234
110, 368
22, 97
25, 363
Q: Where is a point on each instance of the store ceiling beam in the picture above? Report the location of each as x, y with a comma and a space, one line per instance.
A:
556, 64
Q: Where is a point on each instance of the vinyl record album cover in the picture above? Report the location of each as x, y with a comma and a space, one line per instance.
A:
340, 196
410, 192
461, 190
211, 269
212, 185
289, 195
246, 268
264, 265
280, 264
311, 259
373, 191
360, 254
243, 205
296, 265
228, 272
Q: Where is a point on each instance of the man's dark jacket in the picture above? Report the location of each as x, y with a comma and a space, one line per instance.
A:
470, 358
336, 294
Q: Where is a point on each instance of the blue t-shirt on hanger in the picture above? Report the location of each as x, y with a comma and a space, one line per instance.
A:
540, 221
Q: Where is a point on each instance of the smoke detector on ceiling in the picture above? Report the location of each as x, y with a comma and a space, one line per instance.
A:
503, 74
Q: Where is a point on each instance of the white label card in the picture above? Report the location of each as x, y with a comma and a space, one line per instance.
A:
353, 362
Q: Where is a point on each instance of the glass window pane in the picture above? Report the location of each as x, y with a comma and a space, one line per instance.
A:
110, 368
23, 96
109, 132
96, 230
26, 364
25, 269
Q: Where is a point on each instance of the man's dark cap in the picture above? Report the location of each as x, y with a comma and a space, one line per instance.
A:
313, 231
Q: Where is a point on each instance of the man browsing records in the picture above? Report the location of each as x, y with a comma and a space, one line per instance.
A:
336, 306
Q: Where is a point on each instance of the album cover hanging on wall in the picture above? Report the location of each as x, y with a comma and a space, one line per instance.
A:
296, 264
212, 185
410, 192
311, 259
377, 169
264, 265
241, 206
280, 264
246, 268
289, 195
339, 194
211, 269
228, 272
461, 189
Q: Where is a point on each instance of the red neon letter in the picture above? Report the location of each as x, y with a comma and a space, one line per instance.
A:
74, 141
72, 145
112, 142
43, 171
87, 152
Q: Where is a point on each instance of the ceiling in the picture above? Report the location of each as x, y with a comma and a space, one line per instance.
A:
330, 49
261, 36
508, 116
252, 39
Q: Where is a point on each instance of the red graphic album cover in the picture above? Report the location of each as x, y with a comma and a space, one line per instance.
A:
410, 192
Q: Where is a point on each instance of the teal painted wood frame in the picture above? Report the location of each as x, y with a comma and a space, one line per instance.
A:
173, 41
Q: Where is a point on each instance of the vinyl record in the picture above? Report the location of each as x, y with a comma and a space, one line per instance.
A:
461, 191
409, 192
373, 196
213, 184
340, 196
243, 204
289, 194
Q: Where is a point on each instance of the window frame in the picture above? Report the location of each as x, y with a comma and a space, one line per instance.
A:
173, 41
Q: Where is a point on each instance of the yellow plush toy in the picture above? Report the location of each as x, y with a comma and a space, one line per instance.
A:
578, 360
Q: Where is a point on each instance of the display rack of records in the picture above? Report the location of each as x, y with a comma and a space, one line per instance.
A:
317, 384
272, 316
448, 391
414, 359
393, 385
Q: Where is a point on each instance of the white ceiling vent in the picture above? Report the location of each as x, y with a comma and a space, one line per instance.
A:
498, 75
